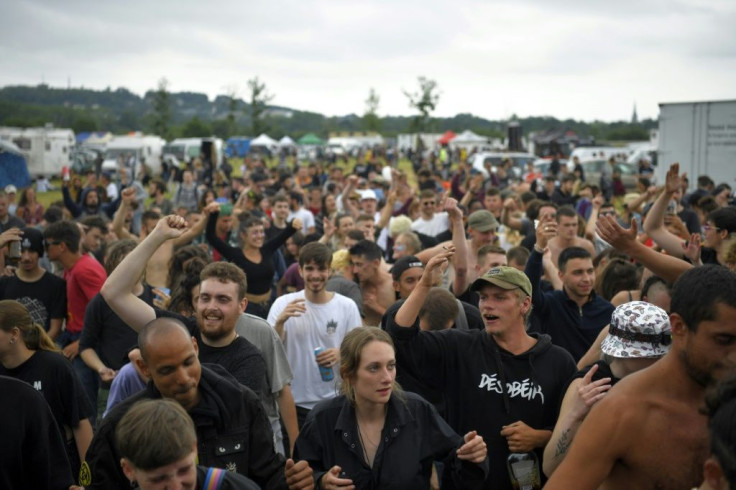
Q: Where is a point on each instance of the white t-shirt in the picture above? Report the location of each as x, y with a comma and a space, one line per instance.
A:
322, 325
432, 227
306, 216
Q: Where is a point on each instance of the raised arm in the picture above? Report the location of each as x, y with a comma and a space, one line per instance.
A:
118, 289
68, 201
667, 267
507, 219
196, 230
546, 229
118, 222
460, 262
654, 224
409, 311
579, 398
593, 218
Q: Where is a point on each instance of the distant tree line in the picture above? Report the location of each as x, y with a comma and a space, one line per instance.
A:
181, 114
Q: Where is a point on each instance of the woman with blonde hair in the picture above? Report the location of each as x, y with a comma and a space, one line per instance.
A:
27, 353
375, 436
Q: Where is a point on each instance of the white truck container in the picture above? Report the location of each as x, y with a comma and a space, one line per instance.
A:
46, 149
125, 149
701, 136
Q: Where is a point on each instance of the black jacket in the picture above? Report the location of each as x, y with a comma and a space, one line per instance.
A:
414, 435
485, 386
571, 327
232, 433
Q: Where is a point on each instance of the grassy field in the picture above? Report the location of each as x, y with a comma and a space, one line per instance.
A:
47, 198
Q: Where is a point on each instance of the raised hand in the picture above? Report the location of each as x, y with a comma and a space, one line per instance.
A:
436, 266
691, 249
673, 180
620, 238
546, 230
589, 393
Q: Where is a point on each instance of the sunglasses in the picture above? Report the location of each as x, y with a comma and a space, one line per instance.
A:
49, 243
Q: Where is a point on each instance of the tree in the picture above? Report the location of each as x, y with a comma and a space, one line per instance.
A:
259, 99
424, 101
161, 110
195, 128
371, 121
233, 106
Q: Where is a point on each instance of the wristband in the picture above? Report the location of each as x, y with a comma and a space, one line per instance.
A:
538, 249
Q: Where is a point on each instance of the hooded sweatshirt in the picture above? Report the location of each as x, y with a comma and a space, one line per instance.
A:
485, 386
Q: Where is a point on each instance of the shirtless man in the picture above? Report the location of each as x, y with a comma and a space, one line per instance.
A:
375, 282
658, 437
482, 227
567, 234
157, 269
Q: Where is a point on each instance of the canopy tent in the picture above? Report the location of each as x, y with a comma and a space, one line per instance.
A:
310, 139
447, 137
264, 140
286, 142
13, 168
469, 137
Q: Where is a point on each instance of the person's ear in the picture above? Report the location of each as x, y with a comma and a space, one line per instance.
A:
677, 325
195, 345
128, 470
143, 367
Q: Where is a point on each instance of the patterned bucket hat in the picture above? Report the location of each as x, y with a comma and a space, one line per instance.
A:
638, 329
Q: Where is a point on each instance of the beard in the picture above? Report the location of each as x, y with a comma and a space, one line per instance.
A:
699, 375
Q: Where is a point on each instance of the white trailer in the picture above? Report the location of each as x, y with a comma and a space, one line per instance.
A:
126, 150
701, 136
46, 150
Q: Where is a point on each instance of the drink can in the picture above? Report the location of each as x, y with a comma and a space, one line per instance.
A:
65, 174
14, 250
325, 372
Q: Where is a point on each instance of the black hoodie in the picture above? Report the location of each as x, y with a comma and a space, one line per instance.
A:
232, 433
485, 386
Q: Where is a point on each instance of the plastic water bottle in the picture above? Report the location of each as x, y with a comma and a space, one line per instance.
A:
325, 372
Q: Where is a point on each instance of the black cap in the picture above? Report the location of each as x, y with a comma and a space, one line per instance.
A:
403, 264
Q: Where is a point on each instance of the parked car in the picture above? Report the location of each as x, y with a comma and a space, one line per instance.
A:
479, 161
592, 170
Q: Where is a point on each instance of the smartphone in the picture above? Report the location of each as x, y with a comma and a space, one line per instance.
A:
672, 208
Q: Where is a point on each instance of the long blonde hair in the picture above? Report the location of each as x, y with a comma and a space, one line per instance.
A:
13, 314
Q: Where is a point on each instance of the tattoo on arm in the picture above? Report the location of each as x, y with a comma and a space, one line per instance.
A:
563, 444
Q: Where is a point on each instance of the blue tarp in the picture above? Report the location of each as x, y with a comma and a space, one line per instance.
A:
237, 147
13, 168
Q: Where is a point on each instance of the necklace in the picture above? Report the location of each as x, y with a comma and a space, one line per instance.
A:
368, 460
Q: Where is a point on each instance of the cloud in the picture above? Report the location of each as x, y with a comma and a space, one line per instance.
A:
568, 58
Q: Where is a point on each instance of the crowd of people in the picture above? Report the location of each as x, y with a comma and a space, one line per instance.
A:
334, 325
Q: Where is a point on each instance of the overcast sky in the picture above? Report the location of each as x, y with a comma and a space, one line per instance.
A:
584, 59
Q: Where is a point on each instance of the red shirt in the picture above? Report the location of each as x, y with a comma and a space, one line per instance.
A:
83, 281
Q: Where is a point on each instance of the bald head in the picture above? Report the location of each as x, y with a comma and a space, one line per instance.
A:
159, 331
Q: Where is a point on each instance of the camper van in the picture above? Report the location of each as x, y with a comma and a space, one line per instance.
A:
46, 150
187, 149
128, 149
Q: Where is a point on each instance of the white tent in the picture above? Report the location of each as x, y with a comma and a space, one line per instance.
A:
264, 140
468, 137
285, 142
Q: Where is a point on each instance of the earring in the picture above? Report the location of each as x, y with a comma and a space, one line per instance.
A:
12, 341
